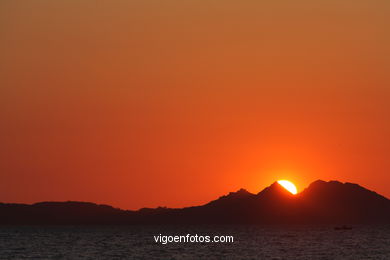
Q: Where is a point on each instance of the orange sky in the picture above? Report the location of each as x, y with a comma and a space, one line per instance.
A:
174, 103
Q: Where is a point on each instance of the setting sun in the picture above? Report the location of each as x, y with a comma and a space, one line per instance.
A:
288, 185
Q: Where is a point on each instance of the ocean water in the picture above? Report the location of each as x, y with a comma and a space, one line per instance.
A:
250, 242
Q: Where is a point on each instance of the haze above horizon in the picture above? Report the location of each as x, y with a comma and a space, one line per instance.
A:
173, 103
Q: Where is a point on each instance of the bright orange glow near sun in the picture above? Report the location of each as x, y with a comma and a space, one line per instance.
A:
288, 185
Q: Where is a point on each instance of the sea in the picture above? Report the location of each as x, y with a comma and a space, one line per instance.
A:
139, 242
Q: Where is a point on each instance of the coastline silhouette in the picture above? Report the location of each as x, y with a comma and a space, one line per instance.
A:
321, 202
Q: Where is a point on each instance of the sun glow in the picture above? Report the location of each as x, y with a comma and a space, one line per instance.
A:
288, 185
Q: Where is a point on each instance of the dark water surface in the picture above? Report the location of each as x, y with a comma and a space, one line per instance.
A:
250, 242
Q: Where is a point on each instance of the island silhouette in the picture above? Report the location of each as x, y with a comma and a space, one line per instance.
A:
321, 202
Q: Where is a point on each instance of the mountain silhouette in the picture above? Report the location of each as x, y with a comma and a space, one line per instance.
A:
330, 202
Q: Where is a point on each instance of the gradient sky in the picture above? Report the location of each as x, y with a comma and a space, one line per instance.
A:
174, 103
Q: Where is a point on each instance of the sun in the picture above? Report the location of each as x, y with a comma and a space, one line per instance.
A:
288, 185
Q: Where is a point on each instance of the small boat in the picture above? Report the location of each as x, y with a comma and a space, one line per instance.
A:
343, 227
